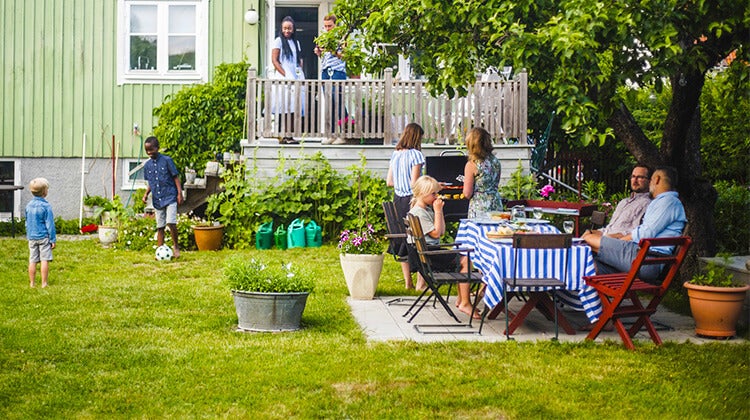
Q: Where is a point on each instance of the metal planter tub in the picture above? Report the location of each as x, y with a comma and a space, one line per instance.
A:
272, 312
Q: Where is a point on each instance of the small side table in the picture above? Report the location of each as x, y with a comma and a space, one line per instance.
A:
12, 206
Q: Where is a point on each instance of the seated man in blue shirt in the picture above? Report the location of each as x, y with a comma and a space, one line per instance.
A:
664, 217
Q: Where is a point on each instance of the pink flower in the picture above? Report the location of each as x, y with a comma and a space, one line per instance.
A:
547, 190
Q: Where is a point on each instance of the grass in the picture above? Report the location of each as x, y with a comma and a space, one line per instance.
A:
118, 334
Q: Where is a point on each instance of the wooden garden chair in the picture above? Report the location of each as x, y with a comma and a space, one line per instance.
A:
621, 293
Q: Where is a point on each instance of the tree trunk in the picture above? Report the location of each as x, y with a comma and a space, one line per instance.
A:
680, 148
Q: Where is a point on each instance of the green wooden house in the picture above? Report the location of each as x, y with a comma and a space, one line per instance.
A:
80, 79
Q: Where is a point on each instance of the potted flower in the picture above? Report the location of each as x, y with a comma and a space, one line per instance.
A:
208, 234
91, 203
715, 301
111, 215
268, 295
361, 261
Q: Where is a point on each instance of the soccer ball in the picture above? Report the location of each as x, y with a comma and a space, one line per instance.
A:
164, 253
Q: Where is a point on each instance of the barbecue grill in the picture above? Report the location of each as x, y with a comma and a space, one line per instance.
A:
448, 168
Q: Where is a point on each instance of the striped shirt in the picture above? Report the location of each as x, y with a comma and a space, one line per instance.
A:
331, 61
402, 162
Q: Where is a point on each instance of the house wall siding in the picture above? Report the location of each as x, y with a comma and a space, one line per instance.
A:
59, 76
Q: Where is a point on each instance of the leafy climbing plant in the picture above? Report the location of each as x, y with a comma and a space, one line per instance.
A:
200, 121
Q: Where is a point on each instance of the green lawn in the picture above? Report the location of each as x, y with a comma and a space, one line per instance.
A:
119, 335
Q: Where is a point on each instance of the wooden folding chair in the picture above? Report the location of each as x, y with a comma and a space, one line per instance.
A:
598, 218
396, 231
436, 279
547, 284
615, 289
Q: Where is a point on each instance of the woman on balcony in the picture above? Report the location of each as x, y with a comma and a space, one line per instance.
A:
286, 56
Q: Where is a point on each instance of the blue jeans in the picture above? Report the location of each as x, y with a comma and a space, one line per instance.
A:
339, 113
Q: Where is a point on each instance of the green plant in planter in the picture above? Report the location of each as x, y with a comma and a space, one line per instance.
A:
520, 186
256, 275
95, 201
112, 213
714, 275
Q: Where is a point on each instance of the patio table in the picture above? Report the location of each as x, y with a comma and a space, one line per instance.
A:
494, 259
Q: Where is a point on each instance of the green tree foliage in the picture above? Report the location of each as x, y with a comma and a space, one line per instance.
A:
581, 54
202, 120
725, 145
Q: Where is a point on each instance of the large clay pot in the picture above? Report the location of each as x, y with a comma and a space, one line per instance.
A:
208, 238
269, 311
362, 273
716, 310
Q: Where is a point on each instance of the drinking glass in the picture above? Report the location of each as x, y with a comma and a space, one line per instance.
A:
568, 226
330, 72
538, 212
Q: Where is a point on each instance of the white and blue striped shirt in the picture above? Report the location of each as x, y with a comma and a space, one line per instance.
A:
402, 162
331, 61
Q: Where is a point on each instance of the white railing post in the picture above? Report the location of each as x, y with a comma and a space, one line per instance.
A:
387, 107
250, 104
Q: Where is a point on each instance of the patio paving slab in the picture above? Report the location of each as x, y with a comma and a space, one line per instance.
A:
381, 319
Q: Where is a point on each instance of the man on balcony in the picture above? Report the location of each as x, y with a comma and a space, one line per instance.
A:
334, 68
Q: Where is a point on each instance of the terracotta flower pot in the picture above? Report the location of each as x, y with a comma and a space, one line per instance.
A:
208, 238
716, 310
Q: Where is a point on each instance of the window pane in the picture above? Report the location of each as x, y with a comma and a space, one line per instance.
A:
6, 173
181, 19
137, 175
6, 202
143, 19
182, 53
142, 52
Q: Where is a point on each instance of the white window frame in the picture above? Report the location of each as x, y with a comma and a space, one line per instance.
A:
162, 75
127, 181
16, 210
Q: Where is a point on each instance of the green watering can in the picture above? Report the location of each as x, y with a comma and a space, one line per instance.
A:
280, 237
264, 236
296, 234
313, 234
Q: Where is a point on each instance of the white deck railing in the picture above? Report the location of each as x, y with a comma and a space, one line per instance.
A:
379, 109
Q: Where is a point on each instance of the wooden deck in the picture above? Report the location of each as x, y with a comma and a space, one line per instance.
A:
266, 155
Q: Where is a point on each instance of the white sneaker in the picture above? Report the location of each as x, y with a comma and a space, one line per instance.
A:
329, 140
339, 140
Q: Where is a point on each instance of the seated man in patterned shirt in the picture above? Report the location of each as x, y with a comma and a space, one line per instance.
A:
630, 210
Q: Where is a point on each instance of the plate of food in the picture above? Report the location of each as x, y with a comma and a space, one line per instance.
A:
501, 233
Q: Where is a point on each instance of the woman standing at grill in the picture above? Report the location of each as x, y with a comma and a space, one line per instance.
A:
404, 169
481, 174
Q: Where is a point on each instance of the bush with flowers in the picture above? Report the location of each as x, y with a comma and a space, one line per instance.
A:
257, 275
139, 233
361, 241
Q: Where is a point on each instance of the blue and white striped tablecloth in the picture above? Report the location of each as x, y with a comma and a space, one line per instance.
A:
494, 259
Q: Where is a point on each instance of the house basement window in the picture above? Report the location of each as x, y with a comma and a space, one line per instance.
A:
162, 41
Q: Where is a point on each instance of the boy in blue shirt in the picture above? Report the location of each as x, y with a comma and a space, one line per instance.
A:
40, 230
164, 182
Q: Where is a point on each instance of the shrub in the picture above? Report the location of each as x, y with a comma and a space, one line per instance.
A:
202, 120
311, 189
732, 218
